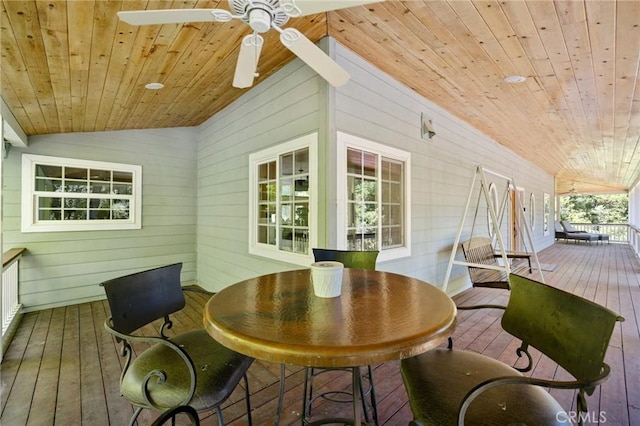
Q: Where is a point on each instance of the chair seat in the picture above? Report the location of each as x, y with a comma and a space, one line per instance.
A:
218, 372
437, 382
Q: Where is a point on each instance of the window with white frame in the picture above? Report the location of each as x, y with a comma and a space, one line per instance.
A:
373, 197
283, 182
64, 194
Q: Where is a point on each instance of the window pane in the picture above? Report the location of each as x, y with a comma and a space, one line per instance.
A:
124, 189
100, 188
354, 241
101, 175
265, 213
49, 202
286, 165
123, 177
75, 215
267, 192
75, 203
353, 214
301, 188
286, 239
75, 186
285, 214
370, 215
100, 214
302, 161
263, 171
369, 190
370, 163
49, 185
354, 161
286, 189
301, 214
301, 241
370, 241
75, 173
49, 214
120, 209
48, 171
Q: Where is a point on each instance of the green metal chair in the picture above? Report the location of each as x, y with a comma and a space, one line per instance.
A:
356, 260
170, 416
447, 386
187, 369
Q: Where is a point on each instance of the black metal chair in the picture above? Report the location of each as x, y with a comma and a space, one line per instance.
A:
447, 386
186, 369
350, 259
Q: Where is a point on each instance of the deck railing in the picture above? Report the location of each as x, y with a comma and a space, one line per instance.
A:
618, 232
634, 239
10, 281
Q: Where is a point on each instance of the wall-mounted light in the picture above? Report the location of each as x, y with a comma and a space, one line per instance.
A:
426, 127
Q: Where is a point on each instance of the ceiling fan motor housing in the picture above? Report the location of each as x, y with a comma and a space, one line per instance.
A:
259, 14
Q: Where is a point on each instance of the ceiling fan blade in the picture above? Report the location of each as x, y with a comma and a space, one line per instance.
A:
296, 8
313, 56
248, 61
174, 16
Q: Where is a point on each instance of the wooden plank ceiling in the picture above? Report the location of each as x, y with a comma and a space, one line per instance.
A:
74, 67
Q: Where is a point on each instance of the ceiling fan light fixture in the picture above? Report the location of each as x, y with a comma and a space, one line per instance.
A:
259, 20
514, 79
154, 86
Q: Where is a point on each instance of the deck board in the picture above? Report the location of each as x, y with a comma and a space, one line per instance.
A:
63, 368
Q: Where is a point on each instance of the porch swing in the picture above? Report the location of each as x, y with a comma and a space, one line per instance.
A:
486, 257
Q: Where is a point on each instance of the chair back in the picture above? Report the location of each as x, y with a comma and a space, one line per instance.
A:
350, 259
479, 250
568, 227
138, 299
571, 330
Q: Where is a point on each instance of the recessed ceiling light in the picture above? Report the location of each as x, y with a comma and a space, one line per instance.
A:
154, 86
515, 79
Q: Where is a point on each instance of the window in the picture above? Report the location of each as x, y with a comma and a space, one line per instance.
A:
532, 211
546, 213
63, 194
373, 197
282, 217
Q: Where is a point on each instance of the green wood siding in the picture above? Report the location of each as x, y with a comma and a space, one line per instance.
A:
62, 268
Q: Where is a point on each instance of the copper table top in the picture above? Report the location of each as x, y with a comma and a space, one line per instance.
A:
379, 317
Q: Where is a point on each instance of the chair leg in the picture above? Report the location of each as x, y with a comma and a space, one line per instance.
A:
246, 395
135, 416
276, 420
219, 414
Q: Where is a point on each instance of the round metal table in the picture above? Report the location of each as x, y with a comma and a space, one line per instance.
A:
379, 316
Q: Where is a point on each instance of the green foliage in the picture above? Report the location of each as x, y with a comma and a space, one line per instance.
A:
611, 208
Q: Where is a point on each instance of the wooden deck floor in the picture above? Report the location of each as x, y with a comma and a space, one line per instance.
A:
62, 368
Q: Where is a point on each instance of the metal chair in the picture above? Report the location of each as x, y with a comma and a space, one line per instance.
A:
186, 369
176, 413
447, 386
350, 259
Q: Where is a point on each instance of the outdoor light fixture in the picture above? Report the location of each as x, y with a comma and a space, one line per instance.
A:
154, 86
514, 79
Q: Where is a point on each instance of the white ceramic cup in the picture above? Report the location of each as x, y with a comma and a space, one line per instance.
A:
327, 278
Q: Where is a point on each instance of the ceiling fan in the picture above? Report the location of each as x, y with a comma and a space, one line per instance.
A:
261, 16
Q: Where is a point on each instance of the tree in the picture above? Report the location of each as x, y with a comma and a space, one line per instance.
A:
610, 208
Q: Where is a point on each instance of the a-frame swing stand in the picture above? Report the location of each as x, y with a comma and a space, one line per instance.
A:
480, 176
